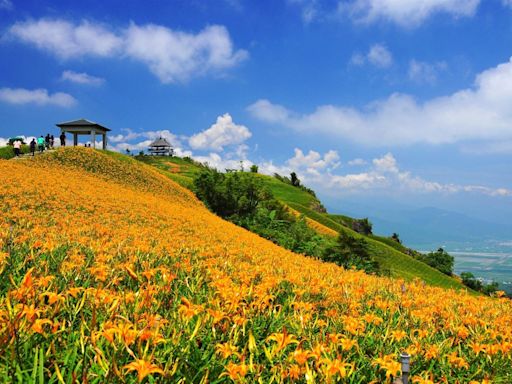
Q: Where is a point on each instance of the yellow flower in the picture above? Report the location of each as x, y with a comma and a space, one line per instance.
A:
235, 371
282, 339
143, 368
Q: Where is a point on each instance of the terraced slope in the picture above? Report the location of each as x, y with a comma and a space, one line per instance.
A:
389, 254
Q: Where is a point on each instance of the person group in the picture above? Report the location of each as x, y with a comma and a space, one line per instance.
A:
41, 143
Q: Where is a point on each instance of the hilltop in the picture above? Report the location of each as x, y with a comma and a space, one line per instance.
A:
112, 272
391, 255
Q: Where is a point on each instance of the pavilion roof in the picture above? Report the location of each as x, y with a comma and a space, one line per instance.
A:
82, 123
161, 142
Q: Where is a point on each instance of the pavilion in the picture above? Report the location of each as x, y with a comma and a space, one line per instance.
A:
84, 127
161, 147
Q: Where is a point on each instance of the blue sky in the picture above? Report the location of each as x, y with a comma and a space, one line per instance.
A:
390, 102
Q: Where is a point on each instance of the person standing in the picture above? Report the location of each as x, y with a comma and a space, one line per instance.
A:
47, 141
17, 147
33, 146
40, 143
62, 139
52, 141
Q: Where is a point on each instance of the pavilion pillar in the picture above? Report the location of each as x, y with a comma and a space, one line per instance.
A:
104, 141
93, 138
75, 139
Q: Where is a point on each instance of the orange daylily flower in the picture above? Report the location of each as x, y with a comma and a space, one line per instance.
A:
143, 368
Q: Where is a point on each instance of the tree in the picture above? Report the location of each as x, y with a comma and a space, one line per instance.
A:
254, 168
351, 252
440, 260
396, 238
294, 180
229, 194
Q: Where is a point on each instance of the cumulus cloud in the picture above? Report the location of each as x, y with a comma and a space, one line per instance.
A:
221, 134
174, 55
422, 72
321, 170
171, 55
36, 96
382, 174
140, 141
386, 174
378, 55
81, 78
313, 162
220, 162
481, 113
67, 40
405, 12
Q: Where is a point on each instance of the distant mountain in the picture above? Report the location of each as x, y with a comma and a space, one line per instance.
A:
430, 227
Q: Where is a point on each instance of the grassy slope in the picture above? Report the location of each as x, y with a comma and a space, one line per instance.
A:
134, 257
388, 253
7, 152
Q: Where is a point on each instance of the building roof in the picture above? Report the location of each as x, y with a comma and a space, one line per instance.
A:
161, 142
81, 123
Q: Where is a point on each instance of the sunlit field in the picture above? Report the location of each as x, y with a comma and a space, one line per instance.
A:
111, 272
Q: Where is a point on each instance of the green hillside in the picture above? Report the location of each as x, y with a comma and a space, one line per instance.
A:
390, 254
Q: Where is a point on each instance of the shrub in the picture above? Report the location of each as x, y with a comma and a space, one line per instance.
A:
469, 280
440, 260
362, 226
351, 252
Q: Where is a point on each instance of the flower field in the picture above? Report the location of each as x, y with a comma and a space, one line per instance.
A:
112, 273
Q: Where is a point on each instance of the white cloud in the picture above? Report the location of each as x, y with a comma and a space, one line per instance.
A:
481, 113
66, 40
385, 174
36, 96
170, 54
266, 111
121, 142
406, 13
6, 4
357, 162
313, 162
382, 175
322, 171
500, 147
386, 164
221, 134
177, 56
221, 163
378, 55
358, 181
358, 59
81, 78
3, 142
422, 72
309, 9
